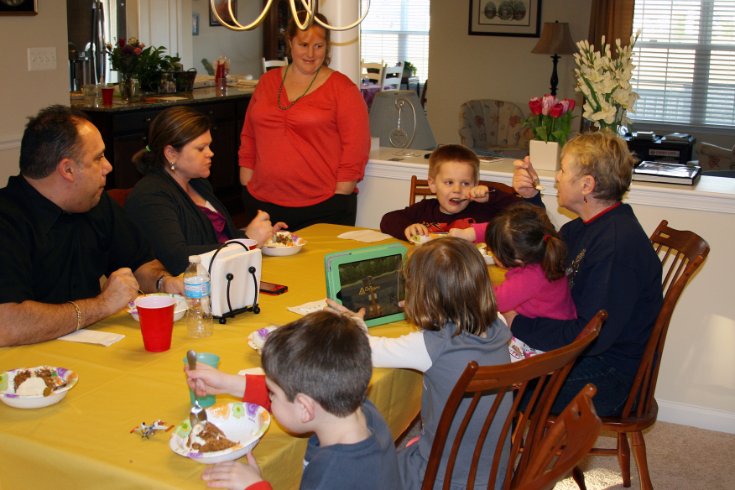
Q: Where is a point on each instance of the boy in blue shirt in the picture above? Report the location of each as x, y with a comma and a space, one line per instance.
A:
317, 371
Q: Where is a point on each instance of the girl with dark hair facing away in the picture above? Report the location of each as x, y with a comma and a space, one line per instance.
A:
174, 204
450, 299
524, 241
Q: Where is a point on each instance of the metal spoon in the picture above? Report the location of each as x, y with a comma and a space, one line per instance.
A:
197, 414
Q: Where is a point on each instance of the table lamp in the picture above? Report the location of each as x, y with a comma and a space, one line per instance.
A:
555, 40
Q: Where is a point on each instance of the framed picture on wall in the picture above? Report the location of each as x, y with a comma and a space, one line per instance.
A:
18, 7
223, 10
521, 18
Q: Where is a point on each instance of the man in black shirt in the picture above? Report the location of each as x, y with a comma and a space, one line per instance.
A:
60, 233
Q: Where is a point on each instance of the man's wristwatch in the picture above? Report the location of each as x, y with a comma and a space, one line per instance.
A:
159, 283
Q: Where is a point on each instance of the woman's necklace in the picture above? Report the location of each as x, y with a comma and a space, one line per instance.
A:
280, 89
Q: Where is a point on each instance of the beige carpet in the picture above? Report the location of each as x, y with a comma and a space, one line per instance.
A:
679, 457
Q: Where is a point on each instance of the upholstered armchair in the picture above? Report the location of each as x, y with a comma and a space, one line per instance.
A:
712, 157
493, 125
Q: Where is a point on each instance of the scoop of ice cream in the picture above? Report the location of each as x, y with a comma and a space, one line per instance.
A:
31, 387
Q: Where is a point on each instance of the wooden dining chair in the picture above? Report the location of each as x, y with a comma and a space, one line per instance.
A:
392, 76
565, 444
372, 72
119, 195
681, 254
420, 187
532, 385
269, 64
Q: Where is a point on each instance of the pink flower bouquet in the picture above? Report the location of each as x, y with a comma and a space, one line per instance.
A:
550, 118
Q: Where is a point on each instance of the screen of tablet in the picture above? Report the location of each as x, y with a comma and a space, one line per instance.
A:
369, 278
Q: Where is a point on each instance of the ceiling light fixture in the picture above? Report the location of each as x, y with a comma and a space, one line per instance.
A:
308, 5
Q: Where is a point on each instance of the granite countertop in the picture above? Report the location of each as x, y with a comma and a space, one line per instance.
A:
198, 95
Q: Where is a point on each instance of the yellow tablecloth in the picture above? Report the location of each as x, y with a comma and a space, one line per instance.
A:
85, 441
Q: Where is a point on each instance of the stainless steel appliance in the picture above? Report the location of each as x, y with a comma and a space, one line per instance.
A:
90, 24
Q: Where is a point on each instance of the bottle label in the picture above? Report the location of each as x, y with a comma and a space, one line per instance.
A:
196, 288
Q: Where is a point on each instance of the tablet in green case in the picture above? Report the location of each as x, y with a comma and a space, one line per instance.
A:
370, 278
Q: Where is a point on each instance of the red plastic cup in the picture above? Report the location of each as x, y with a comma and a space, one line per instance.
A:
107, 95
156, 314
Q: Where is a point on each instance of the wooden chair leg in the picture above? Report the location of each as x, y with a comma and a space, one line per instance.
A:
624, 458
578, 476
639, 452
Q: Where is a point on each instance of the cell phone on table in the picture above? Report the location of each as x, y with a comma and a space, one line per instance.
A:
272, 288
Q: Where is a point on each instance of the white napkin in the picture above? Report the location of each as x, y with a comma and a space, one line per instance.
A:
309, 307
93, 337
367, 236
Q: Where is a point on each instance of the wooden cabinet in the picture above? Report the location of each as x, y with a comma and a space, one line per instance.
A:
125, 131
274, 30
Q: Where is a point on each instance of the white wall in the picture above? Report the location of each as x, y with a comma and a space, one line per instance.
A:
464, 67
244, 48
23, 92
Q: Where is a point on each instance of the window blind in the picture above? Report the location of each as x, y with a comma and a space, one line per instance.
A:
397, 30
685, 62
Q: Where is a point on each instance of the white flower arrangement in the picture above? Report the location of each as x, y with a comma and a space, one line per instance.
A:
604, 81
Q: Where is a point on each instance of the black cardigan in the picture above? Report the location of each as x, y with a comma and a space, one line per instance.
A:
172, 223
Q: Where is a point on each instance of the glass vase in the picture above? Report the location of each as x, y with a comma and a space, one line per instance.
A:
129, 88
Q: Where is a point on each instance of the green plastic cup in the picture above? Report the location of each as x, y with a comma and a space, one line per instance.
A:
211, 360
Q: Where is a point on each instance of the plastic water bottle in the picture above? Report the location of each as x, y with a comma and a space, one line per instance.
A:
196, 289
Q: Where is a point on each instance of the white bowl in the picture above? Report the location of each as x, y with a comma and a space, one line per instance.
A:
179, 309
482, 247
280, 250
421, 239
66, 381
244, 423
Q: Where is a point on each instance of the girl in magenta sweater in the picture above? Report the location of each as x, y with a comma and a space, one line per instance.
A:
524, 241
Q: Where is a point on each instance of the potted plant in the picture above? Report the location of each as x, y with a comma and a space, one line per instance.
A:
409, 70
550, 122
134, 60
604, 80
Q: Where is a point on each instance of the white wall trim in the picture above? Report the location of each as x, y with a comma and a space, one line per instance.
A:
10, 141
695, 416
712, 194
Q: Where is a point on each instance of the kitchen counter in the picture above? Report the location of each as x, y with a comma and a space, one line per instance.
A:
199, 95
124, 128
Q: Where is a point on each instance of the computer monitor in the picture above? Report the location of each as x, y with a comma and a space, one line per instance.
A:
397, 117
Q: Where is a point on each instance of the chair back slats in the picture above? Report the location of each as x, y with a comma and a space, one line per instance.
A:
268, 65
681, 254
420, 187
373, 72
511, 423
566, 443
391, 77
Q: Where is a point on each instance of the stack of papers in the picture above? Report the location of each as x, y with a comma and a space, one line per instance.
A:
93, 337
367, 236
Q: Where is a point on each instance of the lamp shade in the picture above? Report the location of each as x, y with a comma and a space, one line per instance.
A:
555, 39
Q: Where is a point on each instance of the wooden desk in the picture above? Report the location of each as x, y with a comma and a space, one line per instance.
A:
85, 441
